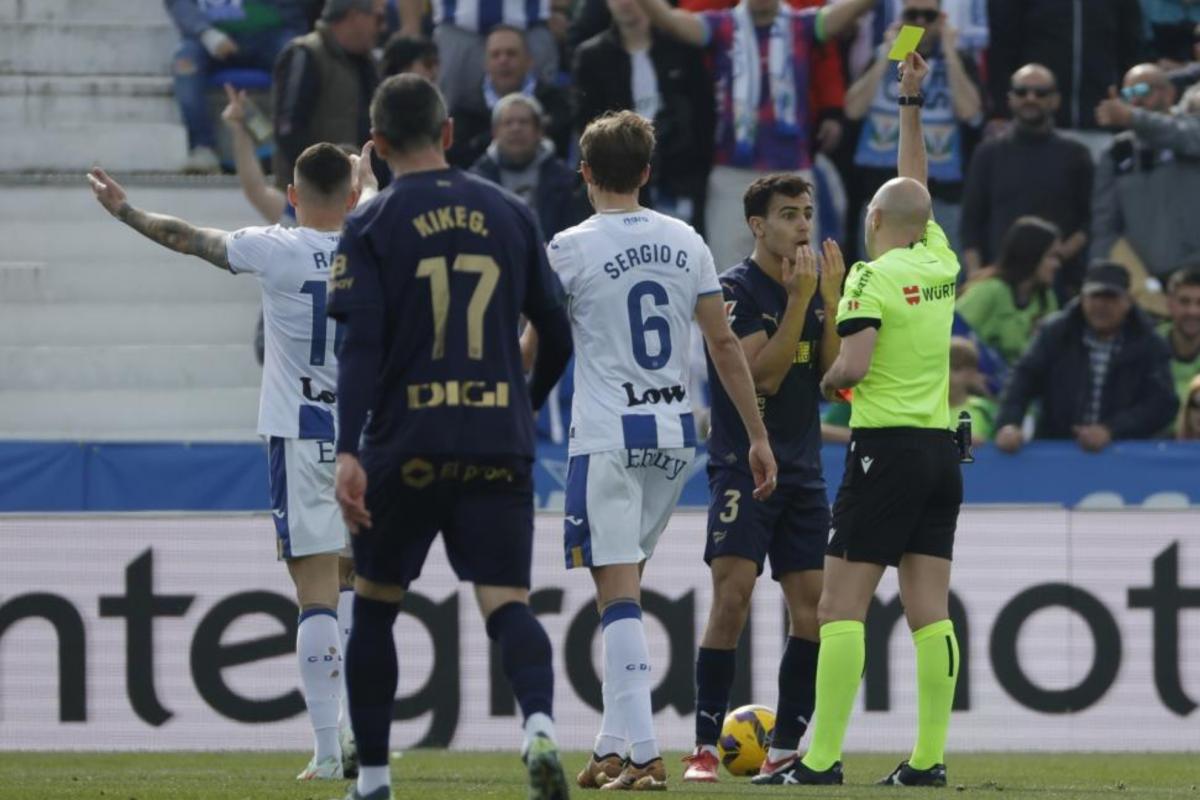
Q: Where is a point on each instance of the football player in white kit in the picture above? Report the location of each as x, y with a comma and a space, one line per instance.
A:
634, 280
296, 408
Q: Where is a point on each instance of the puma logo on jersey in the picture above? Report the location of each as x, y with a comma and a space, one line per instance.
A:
715, 718
866, 462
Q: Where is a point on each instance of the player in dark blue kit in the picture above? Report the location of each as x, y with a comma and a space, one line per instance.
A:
782, 308
430, 281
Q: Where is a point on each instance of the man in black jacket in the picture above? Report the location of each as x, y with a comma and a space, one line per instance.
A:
1030, 169
523, 162
629, 66
1098, 368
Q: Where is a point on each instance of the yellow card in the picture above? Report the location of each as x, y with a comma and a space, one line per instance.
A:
906, 41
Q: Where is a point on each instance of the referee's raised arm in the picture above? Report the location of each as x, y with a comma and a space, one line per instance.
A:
911, 159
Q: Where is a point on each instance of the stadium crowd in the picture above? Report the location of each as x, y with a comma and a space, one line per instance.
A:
1064, 153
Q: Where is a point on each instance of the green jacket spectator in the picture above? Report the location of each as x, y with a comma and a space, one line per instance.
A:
1006, 309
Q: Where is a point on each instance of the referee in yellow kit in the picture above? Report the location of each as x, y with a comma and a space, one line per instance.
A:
898, 503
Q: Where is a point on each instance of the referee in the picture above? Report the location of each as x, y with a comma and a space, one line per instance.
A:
898, 503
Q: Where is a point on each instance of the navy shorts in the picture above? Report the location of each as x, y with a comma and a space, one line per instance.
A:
900, 494
791, 526
482, 507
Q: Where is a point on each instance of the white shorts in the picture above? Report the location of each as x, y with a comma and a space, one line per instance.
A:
306, 513
619, 501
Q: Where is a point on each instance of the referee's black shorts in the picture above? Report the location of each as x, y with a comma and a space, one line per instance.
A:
900, 494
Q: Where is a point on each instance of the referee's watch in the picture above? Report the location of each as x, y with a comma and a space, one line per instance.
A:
917, 100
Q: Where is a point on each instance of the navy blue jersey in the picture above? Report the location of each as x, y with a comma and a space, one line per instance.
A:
755, 302
441, 265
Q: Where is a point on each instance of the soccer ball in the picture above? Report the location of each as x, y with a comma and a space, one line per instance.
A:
745, 737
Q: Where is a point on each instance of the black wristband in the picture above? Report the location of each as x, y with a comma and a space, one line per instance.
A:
917, 100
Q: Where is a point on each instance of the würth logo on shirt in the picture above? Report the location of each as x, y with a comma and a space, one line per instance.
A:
912, 295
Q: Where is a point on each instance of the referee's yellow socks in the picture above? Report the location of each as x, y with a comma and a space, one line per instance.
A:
937, 674
839, 671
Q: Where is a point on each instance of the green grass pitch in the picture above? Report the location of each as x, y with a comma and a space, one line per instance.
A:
441, 775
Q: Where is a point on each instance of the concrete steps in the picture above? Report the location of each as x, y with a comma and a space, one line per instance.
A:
167, 278
123, 323
145, 147
41, 101
105, 335
146, 367
121, 414
82, 10
88, 80
63, 47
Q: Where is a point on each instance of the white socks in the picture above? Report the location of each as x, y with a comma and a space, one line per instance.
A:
627, 671
319, 653
775, 755
345, 618
611, 738
537, 723
371, 778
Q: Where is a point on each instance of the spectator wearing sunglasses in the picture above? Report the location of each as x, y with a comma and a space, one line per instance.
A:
969, 18
1087, 44
1148, 178
952, 114
1030, 169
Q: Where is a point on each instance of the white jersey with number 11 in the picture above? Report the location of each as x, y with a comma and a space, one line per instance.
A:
299, 382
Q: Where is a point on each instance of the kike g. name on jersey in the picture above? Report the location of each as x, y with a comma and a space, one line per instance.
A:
632, 280
454, 261
299, 378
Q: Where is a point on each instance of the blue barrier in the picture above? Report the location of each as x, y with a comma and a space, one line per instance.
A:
175, 476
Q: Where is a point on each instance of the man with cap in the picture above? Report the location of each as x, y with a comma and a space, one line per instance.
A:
324, 80
1098, 368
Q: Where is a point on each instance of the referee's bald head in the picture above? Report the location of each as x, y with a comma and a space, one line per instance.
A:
897, 215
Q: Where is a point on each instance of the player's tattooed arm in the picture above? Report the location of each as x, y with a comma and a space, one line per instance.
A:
170, 232
177, 234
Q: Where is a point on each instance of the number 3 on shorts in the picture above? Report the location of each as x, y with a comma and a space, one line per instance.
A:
732, 498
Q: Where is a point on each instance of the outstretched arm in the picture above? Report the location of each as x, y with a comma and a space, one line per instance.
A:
911, 161
266, 199
681, 24
170, 232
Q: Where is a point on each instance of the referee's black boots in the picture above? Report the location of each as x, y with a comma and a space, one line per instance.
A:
904, 775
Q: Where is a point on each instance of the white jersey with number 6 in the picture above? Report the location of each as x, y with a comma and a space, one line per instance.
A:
632, 279
299, 381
